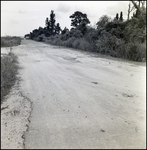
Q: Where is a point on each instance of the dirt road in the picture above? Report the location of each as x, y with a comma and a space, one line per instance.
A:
80, 100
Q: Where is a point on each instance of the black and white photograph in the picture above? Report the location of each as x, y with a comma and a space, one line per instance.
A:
73, 74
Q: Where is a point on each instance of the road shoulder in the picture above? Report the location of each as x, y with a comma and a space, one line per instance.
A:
15, 113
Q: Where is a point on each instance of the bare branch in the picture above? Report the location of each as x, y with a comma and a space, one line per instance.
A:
130, 9
143, 3
136, 6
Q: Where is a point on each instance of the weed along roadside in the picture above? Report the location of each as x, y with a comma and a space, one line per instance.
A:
15, 107
9, 65
9, 70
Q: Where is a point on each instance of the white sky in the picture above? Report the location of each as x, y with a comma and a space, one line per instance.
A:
21, 17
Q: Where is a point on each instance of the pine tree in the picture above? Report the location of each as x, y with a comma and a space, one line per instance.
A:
121, 17
52, 23
57, 28
47, 23
65, 30
117, 17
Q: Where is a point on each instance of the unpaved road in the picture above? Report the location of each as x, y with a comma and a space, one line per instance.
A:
79, 100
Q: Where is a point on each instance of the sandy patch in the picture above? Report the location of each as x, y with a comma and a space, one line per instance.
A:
15, 112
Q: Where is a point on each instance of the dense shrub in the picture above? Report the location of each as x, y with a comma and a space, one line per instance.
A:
41, 38
65, 36
9, 69
9, 41
136, 51
57, 41
76, 44
77, 34
38, 38
69, 42
106, 43
84, 45
114, 37
91, 35
111, 45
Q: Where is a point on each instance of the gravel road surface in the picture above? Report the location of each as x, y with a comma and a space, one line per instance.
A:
75, 99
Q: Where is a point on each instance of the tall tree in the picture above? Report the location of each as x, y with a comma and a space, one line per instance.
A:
135, 31
103, 21
57, 28
65, 30
139, 5
130, 9
47, 23
117, 17
52, 23
121, 17
82, 27
77, 18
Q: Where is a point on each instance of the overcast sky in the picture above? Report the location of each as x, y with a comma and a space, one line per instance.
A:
21, 17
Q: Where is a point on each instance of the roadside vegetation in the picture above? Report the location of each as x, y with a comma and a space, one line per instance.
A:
112, 36
9, 65
9, 41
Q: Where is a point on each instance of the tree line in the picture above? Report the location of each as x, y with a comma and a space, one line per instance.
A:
115, 37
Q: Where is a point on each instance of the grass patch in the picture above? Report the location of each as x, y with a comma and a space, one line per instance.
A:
9, 70
9, 41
